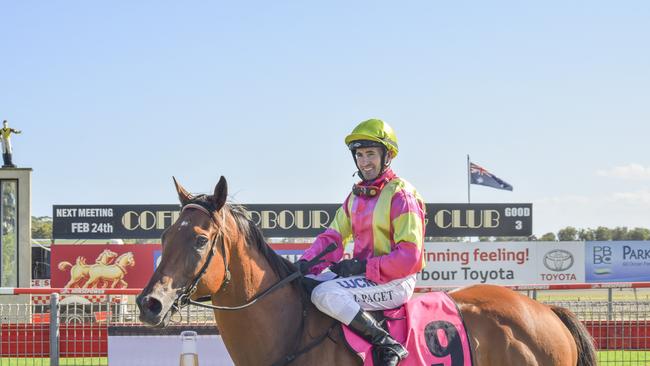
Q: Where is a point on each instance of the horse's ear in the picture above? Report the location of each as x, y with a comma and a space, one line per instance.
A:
220, 193
183, 195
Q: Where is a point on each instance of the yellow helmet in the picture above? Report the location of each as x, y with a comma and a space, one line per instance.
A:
373, 130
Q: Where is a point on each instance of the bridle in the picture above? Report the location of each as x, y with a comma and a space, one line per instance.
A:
184, 298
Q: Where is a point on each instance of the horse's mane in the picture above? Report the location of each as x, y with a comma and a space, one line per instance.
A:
281, 266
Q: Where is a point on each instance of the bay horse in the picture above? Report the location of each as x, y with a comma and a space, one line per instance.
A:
214, 249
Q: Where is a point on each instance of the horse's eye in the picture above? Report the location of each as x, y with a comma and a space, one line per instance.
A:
201, 240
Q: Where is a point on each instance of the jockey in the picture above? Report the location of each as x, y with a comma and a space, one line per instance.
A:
384, 217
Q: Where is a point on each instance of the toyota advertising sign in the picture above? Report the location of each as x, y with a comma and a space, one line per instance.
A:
502, 263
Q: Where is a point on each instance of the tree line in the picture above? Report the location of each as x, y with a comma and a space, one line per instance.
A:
41, 227
600, 233
570, 233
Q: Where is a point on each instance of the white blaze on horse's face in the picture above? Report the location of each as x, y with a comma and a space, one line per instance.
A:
183, 224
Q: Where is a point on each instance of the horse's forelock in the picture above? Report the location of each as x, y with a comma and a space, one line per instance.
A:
204, 201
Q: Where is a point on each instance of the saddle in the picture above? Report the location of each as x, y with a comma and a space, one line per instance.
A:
429, 326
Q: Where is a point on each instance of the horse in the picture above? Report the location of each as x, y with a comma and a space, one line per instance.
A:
214, 250
110, 274
79, 272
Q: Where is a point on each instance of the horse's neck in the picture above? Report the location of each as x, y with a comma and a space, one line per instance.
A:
266, 330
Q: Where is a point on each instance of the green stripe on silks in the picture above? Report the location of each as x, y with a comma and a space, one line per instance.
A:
381, 218
341, 224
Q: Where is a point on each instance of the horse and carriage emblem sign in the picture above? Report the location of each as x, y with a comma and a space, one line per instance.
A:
103, 266
108, 270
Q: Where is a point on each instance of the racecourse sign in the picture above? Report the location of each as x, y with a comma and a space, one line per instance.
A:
284, 220
479, 219
503, 263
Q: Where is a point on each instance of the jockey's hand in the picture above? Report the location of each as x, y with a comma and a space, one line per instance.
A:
309, 284
349, 267
302, 266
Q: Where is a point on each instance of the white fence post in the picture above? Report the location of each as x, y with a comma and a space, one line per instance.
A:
54, 329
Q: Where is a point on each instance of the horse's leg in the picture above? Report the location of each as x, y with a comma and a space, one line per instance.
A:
91, 281
331, 351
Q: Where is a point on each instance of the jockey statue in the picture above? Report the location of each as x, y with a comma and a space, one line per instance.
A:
5, 133
384, 218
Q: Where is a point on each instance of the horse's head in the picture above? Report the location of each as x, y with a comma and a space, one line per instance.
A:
126, 260
106, 256
188, 248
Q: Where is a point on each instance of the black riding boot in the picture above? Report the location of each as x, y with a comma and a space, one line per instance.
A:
386, 351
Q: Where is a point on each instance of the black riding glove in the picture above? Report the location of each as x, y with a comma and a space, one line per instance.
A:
349, 267
309, 284
302, 266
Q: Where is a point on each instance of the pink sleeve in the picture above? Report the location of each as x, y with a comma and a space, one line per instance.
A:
339, 230
321, 242
404, 260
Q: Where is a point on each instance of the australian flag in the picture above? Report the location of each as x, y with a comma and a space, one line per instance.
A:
481, 176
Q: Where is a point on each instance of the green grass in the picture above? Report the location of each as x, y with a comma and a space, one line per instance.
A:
78, 361
624, 358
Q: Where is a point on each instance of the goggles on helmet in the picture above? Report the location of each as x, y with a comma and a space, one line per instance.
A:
364, 143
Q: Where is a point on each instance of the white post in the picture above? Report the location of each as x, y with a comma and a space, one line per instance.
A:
54, 329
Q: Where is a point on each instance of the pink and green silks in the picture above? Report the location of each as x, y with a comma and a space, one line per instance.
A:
387, 230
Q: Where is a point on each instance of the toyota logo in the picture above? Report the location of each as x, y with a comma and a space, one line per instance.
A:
558, 260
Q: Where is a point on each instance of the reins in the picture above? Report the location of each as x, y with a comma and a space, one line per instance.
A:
184, 298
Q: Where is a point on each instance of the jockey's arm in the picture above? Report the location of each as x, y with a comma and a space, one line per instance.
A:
405, 258
338, 232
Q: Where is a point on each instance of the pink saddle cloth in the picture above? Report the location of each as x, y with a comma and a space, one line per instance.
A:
431, 329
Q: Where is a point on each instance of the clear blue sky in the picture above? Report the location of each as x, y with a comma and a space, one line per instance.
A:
116, 97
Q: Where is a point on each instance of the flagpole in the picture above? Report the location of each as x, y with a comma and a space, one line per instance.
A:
469, 180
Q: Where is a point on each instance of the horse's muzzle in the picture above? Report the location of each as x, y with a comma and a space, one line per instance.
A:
151, 310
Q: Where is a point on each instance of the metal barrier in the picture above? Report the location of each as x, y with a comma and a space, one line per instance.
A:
621, 329
72, 333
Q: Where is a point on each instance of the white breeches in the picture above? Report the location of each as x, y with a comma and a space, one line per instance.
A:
342, 298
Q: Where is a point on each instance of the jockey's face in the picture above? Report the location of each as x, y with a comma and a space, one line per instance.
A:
369, 161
